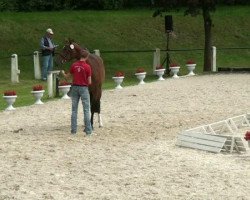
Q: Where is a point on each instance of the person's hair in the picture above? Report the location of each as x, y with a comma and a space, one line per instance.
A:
83, 54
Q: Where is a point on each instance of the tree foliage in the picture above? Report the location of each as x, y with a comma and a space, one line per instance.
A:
194, 8
48, 5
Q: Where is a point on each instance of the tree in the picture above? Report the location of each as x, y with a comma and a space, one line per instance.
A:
194, 8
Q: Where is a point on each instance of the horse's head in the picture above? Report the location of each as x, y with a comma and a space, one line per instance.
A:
70, 51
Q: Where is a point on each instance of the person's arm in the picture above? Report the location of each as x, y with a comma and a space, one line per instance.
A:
65, 75
89, 80
89, 74
42, 44
44, 47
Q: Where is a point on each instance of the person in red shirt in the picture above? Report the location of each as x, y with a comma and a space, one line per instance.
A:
81, 74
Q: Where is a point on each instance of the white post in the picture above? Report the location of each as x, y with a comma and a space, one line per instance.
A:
157, 59
214, 67
50, 84
51, 77
14, 69
97, 52
37, 69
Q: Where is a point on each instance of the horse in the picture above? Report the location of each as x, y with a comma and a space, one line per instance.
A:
71, 51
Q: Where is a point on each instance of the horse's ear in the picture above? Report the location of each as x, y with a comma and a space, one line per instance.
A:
71, 40
66, 41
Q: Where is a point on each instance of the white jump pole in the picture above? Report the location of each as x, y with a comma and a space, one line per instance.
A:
214, 67
14, 69
157, 59
97, 52
37, 69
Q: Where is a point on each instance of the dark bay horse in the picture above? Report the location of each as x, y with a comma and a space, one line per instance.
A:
70, 52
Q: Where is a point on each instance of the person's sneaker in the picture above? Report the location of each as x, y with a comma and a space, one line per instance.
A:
73, 133
89, 134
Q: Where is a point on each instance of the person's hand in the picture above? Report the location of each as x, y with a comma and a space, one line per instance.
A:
62, 72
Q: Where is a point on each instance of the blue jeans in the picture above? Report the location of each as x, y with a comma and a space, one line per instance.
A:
83, 93
47, 65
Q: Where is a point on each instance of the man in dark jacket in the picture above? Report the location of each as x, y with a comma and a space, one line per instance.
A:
48, 50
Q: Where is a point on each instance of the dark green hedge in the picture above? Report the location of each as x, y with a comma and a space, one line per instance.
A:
49, 5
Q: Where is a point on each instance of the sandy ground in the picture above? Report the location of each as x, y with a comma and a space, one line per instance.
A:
134, 155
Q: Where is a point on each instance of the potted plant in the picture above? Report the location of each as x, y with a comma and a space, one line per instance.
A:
38, 91
247, 137
191, 66
174, 67
64, 87
159, 71
140, 74
118, 78
10, 97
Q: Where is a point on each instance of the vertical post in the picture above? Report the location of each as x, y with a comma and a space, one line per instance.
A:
168, 29
214, 67
50, 84
97, 52
157, 59
53, 79
37, 69
168, 57
14, 69
57, 84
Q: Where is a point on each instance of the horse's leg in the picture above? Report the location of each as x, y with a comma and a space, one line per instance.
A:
96, 108
99, 114
92, 119
91, 110
100, 120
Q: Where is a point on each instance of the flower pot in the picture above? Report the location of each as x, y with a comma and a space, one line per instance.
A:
191, 68
118, 80
38, 95
10, 101
175, 71
160, 73
141, 76
64, 89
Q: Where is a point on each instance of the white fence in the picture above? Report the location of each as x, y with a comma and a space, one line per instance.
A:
37, 67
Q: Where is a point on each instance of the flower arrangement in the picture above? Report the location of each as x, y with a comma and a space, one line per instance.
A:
140, 70
10, 93
119, 74
159, 67
174, 65
63, 83
190, 62
37, 87
247, 136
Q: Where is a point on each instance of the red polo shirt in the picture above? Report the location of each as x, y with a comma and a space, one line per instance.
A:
80, 71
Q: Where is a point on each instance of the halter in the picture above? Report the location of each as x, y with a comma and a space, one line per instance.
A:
68, 51
64, 58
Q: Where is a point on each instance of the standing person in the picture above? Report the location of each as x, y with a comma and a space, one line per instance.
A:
48, 51
81, 73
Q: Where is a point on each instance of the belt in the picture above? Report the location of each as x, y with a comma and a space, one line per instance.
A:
79, 85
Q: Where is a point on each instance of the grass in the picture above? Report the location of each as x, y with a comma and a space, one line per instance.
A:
119, 30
